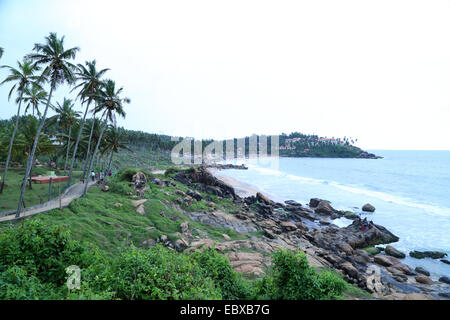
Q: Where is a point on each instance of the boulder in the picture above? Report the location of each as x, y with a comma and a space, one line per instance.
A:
390, 250
423, 279
314, 202
418, 296
349, 270
138, 203
184, 227
444, 280
194, 194
148, 243
118, 205
346, 248
422, 271
293, 203
226, 237
262, 198
445, 261
105, 189
287, 226
180, 244
324, 207
385, 261
368, 207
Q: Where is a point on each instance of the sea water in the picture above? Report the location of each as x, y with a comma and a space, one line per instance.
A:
409, 189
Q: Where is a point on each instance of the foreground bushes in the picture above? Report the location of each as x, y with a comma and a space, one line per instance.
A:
34, 258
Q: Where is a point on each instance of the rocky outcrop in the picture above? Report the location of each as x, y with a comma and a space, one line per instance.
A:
427, 254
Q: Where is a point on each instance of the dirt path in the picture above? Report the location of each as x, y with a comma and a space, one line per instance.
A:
73, 192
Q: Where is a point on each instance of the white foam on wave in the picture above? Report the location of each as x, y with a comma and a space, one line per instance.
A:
428, 208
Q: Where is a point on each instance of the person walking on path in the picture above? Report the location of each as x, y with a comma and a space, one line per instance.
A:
93, 176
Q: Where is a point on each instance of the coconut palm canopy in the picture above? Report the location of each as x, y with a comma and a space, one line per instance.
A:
57, 67
33, 96
23, 76
110, 102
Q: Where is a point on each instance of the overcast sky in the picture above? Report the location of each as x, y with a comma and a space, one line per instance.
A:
377, 70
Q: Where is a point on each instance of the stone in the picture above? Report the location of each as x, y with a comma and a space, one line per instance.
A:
346, 248
423, 279
140, 210
349, 269
314, 202
368, 207
390, 250
287, 226
262, 198
422, 271
444, 280
194, 194
180, 244
105, 189
184, 227
384, 260
118, 205
148, 243
226, 237
445, 261
427, 254
138, 203
293, 203
324, 207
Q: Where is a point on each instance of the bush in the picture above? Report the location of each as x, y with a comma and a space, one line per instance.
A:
219, 269
157, 273
44, 252
292, 278
120, 187
17, 284
127, 174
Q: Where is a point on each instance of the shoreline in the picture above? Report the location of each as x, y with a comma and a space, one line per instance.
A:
392, 277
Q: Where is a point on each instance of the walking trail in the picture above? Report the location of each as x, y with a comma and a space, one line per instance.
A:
73, 192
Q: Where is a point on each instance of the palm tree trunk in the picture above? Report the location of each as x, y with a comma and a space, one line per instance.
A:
31, 156
110, 161
67, 151
89, 148
75, 148
93, 155
11, 142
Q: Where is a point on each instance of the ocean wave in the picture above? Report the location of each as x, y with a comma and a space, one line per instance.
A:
429, 208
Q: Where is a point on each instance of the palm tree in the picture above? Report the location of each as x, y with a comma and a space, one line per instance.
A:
66, 116
23, 76
114, 140
33, 97
58, 70
90, 83
109, 103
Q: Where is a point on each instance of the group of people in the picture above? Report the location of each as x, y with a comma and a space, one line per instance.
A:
100, 176
367, 225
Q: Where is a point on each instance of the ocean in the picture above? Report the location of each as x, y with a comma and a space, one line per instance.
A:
409, 189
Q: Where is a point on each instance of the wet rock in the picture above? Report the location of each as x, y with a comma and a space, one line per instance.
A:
444, 280
422, 271
350, 215
324, 208
368, 207
390, 250
423, 279
427, 254
293, 203
445, 261
314, 202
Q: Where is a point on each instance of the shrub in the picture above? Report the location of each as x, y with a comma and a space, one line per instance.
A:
218, 268
127, 174
120, 187
44, 252
292, 278
17, 284
157, 273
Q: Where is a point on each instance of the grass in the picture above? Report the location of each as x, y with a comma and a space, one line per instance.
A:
39, 192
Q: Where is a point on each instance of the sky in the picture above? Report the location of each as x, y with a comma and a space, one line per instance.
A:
378, 71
